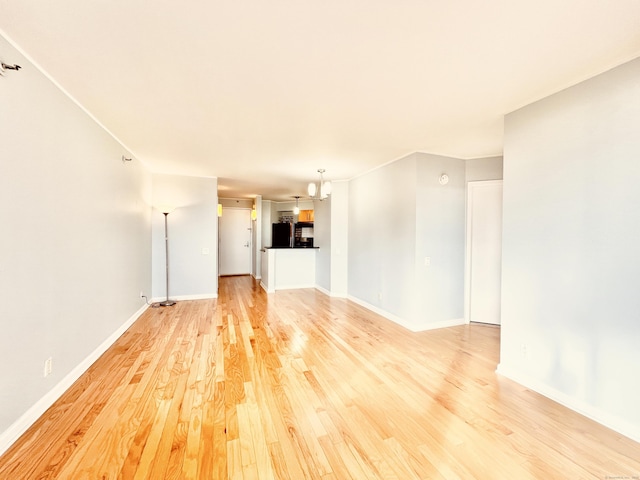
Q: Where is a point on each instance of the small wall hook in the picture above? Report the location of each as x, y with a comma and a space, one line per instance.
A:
10, 67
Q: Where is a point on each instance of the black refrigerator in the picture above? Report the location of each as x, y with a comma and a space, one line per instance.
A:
281, 235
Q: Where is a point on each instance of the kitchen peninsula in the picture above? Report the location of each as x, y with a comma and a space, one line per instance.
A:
288, 267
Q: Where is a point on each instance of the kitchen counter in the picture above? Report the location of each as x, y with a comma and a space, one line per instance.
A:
288, 267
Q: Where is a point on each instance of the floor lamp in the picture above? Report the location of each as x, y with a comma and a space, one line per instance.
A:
167, 302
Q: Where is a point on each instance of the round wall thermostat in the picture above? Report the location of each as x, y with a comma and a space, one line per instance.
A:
444, 179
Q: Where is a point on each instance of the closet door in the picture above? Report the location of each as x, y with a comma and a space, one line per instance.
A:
484, 252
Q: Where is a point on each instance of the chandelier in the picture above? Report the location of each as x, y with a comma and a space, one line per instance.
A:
319, 190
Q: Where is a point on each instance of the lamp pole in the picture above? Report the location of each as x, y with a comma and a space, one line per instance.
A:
167, 302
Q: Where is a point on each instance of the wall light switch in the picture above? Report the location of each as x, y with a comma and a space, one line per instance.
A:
48, 366
205, 251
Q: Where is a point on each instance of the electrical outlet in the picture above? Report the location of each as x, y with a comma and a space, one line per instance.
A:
523, 350
141, 294
48, 366
427, 261
379, 295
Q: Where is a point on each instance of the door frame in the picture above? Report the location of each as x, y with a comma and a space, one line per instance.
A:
471, 186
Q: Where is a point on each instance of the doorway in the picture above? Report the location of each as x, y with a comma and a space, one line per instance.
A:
484, 252
235, 242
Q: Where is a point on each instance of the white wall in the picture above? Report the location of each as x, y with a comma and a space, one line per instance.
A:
256, 239
304, 204
440, 237
267, 220
236, 202
192, 226
489, 168
322, 239
571, 247
382, 223
75, 243
398, 215
339, 239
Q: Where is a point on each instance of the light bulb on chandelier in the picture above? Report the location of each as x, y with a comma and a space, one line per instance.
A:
322, 188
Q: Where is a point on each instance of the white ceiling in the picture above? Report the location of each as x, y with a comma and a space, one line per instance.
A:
263, 93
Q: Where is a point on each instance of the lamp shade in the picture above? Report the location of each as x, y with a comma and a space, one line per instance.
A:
166, 208
325, 191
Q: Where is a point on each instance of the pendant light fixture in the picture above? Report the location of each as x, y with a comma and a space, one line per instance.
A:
296, 209
322, 189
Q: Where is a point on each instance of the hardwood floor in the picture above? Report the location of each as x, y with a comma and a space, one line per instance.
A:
297, 385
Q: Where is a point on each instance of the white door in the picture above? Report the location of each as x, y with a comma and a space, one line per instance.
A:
484, 251
235, 241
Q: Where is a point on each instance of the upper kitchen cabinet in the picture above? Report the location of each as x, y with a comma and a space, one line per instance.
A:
305, 216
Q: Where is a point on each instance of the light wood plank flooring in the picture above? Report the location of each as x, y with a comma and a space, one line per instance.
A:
297, 385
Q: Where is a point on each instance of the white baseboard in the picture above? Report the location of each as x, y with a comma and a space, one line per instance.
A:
454, 322
179, 298
597, 415
207, 296
264, 287
379, 311
292, 287
421, 327
9, 436
331, 294
323, 290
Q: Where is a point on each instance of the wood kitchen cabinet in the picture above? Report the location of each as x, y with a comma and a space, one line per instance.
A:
305, 216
